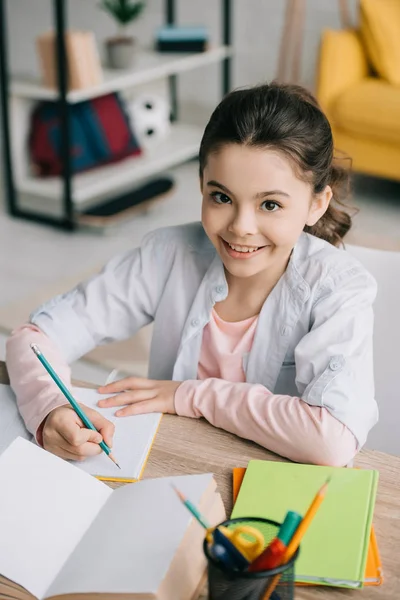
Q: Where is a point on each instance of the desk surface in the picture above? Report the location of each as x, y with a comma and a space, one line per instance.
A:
194, 446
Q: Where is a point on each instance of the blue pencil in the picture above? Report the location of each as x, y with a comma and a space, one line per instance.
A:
86, 421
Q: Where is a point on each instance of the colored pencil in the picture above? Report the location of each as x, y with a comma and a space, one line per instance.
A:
191, 507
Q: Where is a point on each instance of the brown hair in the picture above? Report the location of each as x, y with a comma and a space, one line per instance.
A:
286, 118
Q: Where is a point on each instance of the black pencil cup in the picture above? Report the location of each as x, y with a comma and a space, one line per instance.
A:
225, 583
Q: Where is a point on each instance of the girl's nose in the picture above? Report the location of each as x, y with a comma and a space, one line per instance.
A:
244, 223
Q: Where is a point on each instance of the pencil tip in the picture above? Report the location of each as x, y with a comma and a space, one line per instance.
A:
114, 461
179, 493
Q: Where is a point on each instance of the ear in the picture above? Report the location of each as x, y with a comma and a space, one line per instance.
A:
319, 206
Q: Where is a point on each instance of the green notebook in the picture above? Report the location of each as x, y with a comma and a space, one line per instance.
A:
334, 549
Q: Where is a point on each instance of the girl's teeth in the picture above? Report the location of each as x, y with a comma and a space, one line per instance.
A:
242, 248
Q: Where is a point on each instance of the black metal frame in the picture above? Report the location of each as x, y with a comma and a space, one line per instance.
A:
67, 221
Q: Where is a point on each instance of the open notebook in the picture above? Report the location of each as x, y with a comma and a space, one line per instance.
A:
334, 550
133, 436
66, 534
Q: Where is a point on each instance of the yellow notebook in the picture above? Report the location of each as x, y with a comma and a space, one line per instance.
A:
373, 571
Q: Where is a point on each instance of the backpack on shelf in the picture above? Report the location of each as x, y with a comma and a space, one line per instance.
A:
100, 134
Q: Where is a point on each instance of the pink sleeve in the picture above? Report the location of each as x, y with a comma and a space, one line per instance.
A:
36, 393
285, 425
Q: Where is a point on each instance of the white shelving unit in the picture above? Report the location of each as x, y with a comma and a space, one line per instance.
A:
149, 66
181, 144
57, 201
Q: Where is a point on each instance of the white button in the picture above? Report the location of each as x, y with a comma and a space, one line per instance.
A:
335, 364
219, 289
195, 322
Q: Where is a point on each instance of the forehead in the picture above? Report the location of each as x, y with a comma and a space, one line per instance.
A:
261, 168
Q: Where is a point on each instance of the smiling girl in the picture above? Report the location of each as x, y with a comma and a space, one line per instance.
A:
262, 325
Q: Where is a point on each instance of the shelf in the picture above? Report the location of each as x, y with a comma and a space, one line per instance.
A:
149, 66
181, 144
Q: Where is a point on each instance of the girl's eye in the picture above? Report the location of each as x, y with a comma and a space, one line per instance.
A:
270, 206
220, 198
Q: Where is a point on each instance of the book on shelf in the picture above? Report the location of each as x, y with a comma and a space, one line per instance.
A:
84, 67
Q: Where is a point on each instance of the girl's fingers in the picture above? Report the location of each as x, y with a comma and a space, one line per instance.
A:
128, 398
128, 383
76, 453
140, 408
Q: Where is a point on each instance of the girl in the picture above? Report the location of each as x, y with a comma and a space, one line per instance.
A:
261, 324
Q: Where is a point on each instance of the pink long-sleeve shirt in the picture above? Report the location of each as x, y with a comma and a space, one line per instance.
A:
284, 424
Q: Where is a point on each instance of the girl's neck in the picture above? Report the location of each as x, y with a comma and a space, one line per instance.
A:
246, 296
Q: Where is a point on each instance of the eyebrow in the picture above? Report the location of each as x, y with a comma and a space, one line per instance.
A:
257, 196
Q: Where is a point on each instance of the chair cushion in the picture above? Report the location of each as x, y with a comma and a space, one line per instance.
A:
380, 30
370, 109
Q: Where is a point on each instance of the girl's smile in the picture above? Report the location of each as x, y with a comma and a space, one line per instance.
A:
240, 252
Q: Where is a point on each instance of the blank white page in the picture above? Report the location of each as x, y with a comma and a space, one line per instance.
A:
46, 506
132, 439
131, 544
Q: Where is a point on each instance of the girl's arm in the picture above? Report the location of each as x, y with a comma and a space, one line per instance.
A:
335, 408
283, 424
36, 393
110, 306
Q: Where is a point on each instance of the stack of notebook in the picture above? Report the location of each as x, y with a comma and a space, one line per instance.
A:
340, 547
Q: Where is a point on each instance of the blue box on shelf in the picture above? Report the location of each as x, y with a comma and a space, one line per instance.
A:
174, 38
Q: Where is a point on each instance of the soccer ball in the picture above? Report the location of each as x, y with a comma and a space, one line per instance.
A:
149, 115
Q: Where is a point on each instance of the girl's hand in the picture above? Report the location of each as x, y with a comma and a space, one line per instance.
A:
141, 394
64, 434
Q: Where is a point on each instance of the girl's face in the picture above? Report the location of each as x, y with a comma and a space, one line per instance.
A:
255, 208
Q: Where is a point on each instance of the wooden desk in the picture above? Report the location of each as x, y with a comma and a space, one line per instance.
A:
193, 446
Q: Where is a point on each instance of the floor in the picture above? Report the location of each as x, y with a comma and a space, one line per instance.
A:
34, 255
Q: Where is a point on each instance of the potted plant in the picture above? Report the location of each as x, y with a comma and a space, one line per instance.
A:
120, 48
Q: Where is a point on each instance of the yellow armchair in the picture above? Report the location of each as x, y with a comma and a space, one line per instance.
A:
364, 110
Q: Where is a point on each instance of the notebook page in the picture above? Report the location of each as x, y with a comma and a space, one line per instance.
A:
130, 545
46, 505
132, 439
